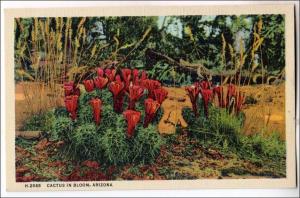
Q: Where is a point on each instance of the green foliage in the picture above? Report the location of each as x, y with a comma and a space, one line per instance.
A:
115, 145
196, 39
270, 147
85, 97
62, 128
147, 144
167, 74
40, 122
85, 143
107, 142
224, 126
219, 130
223, 131
85, 113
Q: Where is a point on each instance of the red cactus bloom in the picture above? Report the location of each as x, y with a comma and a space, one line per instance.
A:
206, 97
68, 89
118, 78
100, 72
139, 80
135, 76
231, 90
218, 90
160, 95
151, 85
143, 75
116, 88
100, 82
126, 75
204, 84
110, 74
240, 99
132, 118
151, 107
135, 93
96, 104
71, 89
89, 85
71, 105
193, 92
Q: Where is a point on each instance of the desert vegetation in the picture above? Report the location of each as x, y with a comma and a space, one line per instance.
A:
96, 90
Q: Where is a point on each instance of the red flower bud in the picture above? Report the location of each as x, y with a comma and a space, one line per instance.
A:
206, 97
219, 91
126, 75
117, 89
96, 105
68, 90
100, 72
144, 75
151, 106
71, 105
135, 92
193, 92
89, 85
230, 93
160, 95
71, 89
118, 78
151, 85
132, 118
135, 76
110, 74
204, 84
100, 82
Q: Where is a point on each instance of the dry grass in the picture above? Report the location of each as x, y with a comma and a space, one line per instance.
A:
33, 98
268, 115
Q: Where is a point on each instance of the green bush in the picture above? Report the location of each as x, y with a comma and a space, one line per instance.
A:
219, 130
40, 122
270, 147
62, 128
115, 145
146, 144
85, 143
107, 142
85, 97
224, 126
223, 131
108, 118
85, 114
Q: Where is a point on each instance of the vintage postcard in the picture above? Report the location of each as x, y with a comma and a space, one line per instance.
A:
108, 98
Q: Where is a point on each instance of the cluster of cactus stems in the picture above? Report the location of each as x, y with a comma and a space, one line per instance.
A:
208, 92
133, 83
130, 83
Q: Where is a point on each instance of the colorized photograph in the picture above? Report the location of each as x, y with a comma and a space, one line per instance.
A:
150, 98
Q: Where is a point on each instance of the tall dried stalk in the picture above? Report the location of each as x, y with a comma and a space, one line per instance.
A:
51, 50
